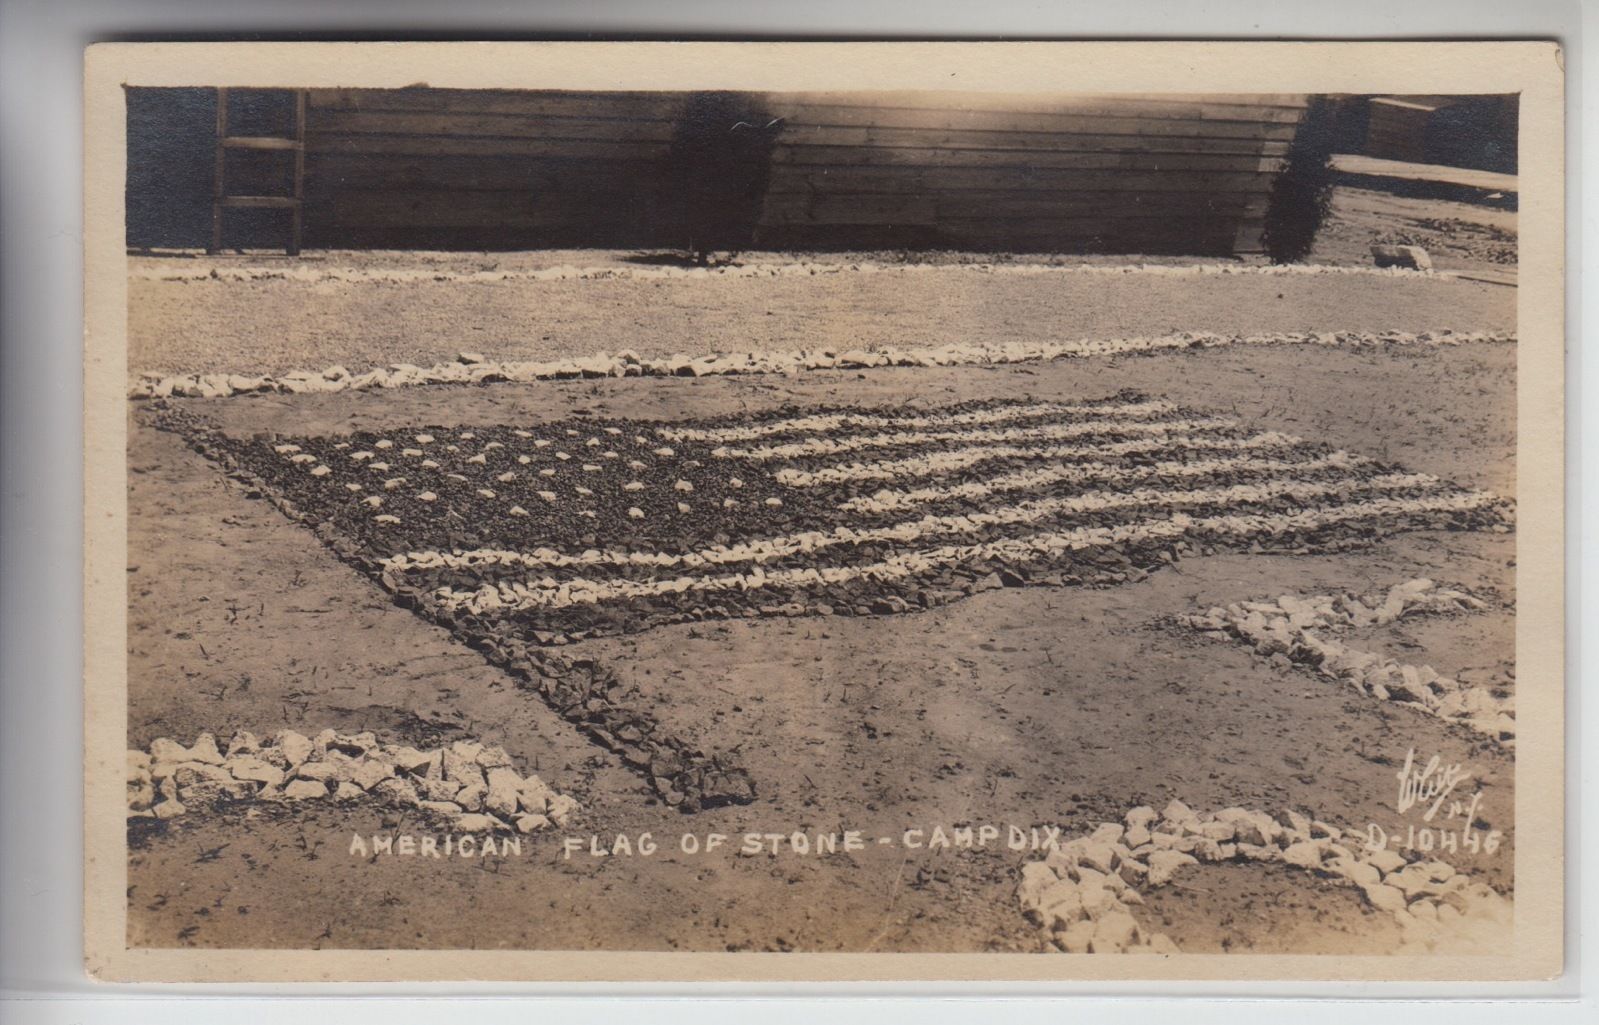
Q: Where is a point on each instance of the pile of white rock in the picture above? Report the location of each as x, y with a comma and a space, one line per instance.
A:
473, 368
1081, 894
1300, 628
467, 785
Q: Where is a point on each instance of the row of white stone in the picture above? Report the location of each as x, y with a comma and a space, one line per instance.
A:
308, 273
1082, 893
785, 546
1000, 435
1302, 627
549, 593
467, 785
1078, 473
949, 460
472, 368
825, 423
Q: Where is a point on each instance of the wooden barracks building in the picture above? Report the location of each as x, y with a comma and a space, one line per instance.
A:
425, 168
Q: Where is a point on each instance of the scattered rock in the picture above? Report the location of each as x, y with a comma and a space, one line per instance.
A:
1408, 257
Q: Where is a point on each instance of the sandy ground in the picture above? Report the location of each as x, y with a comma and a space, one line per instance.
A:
1027, 707
275, 325
1031, 707
1459, 237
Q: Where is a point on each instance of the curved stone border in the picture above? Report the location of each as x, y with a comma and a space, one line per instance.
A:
466, 785
472, 368
1286, 626
308, 273
582, 691
1080, 894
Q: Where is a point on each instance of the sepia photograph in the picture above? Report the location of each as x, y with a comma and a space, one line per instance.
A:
1080, 524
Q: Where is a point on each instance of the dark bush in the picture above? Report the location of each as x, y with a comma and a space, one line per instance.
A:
1302, 193
717, 170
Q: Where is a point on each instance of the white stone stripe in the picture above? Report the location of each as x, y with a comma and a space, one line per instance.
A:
628, 364
842, 421
1023, 480
511, 596
949, 460
207, 271
769, 549
1052, 432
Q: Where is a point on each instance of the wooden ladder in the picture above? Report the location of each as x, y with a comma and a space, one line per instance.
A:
220, 200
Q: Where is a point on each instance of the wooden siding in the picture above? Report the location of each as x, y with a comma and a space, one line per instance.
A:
491, 169
1147, 173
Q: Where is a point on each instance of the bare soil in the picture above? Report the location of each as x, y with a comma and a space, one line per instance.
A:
1032, 707
1457, 236
1022, 706
275, 324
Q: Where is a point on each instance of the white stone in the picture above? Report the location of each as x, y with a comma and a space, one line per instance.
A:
1164, 864
296, 747
1036, 878
1113, 933
1305, 854
252, 767
503, 787
561, 809
305, 790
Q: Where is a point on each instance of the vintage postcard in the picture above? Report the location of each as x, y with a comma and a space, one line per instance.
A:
824, 512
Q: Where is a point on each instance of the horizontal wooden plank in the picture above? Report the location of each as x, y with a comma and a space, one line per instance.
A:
1086, 199
951, 98
1022, 227
825, 136
445, 146
797, 116
849, 210
485, 126
1143, 107
665, 103
619, 105
375, 172
839, 158
1155, 239
266, 202
896, 180
931, 209
454, 209
1216, 239
479, 173
258, 142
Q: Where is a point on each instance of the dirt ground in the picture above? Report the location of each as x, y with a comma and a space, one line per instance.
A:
1032, 707
180, 323
1459, 237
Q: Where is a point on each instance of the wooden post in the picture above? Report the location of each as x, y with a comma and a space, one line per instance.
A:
299, 172
216, 182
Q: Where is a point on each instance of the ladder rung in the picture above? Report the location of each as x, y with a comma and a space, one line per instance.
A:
277, 202
259, 142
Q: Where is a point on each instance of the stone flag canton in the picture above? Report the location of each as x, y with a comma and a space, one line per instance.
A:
559, 530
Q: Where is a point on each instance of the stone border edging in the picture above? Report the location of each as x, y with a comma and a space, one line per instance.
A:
310, 274
1285, 626
466, 785
1080, 894
472, 368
